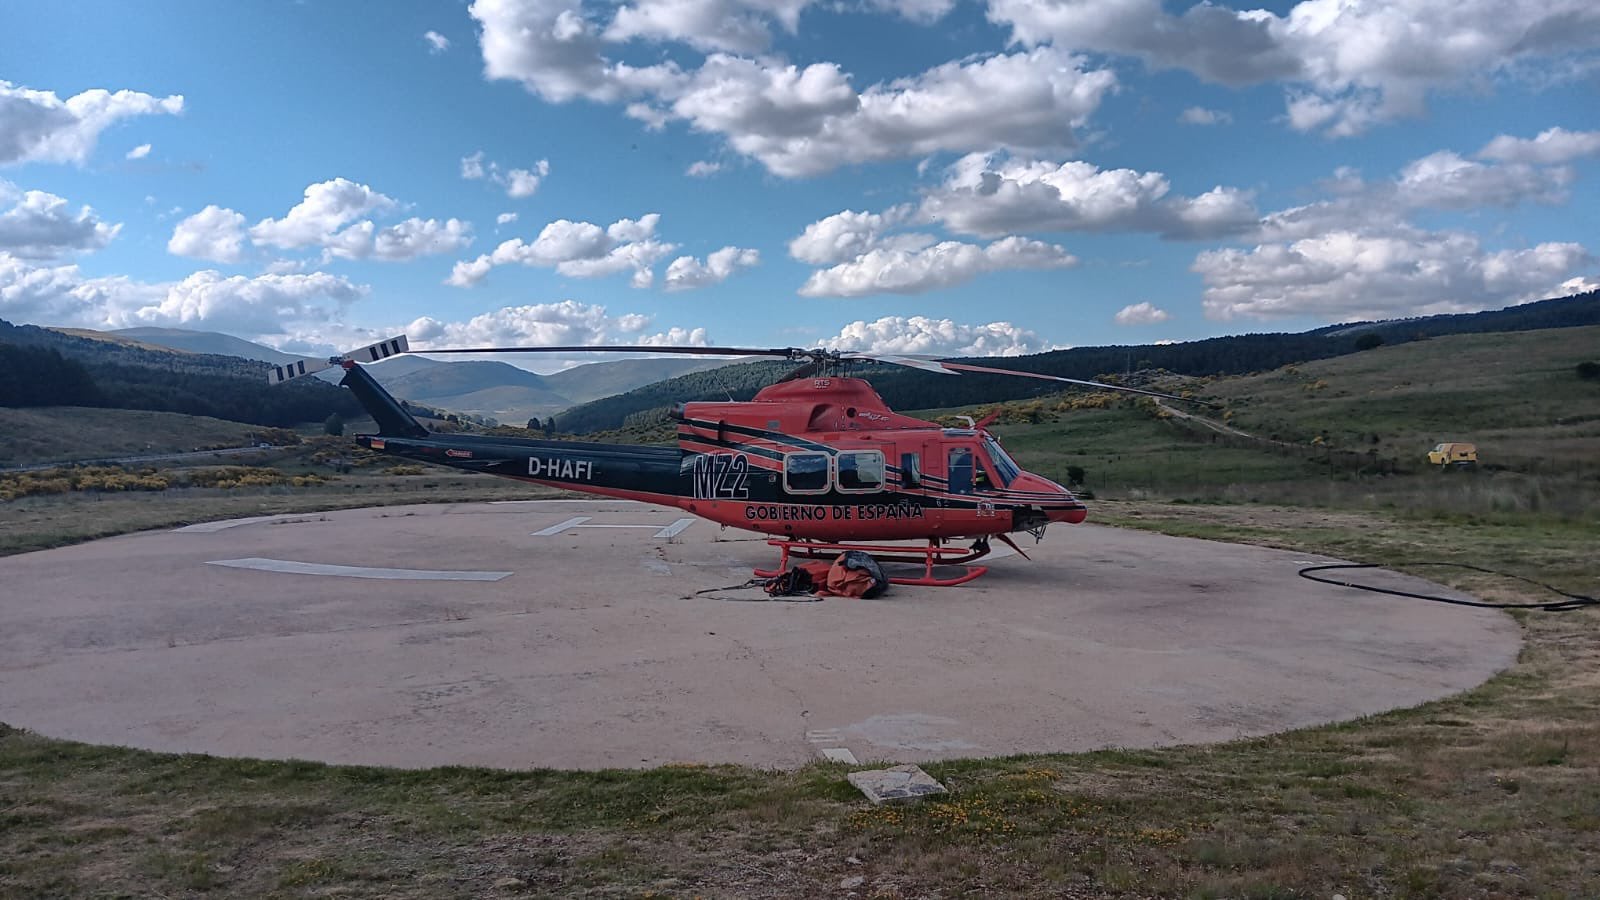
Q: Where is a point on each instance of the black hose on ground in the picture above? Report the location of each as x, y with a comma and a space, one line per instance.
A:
1573, 601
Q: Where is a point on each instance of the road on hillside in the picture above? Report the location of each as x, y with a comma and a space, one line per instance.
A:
1209, 423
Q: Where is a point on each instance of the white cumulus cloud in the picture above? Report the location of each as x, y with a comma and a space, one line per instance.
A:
949, 263
213, 233
437, 43
1347, 63
326, 218
38, 126
1442, 180
739, 26
986, 197
687, 273
1199, 115
259, 305
566, 323
849, 234
265, 305
1552, 146
923, 336
40, 225
578, 250
419, 237
327, 207
796, 120
556, 53
1143, 313
519, 183
1346, 275
139, 152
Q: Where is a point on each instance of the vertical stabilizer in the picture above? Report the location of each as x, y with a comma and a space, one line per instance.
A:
392, 418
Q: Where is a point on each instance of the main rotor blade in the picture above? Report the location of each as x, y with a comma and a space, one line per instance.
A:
964, 367
914, 362
786, 352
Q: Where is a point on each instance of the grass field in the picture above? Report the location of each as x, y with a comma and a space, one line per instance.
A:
1124, 449
64, 433
38, 523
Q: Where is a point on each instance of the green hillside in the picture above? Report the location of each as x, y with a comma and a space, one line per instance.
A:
42, 367
581, 384
1518, 396
211, 342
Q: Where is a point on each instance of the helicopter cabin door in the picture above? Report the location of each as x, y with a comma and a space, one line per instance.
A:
967, 473
961, 468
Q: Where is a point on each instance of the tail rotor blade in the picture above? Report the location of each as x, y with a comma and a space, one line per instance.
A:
786, 352
370, 353
381, 350
297, 369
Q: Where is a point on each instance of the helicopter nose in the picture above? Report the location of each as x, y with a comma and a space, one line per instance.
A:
1058, 503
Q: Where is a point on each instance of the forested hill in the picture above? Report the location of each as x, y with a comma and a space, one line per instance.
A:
1234, 355
40, 367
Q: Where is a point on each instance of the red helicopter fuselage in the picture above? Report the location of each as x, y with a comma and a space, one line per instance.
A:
826, 459
819, 459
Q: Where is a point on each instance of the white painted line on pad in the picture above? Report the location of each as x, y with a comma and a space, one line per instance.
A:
292, 567
840, 754
557, 529
606, 502
675, 529
210, 527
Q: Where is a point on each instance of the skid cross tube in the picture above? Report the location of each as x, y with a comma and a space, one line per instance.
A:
933, 554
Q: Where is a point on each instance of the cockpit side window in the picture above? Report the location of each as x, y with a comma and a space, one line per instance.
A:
1005, 467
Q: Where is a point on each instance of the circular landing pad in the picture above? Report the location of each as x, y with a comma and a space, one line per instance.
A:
569, 634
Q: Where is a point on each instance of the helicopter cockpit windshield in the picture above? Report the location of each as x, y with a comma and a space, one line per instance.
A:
1004, 466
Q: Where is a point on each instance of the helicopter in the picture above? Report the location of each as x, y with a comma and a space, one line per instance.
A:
817, 460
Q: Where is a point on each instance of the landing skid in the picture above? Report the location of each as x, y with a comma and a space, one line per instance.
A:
934, 554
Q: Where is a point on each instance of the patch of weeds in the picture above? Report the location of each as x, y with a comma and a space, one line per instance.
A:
320, 870
181, 868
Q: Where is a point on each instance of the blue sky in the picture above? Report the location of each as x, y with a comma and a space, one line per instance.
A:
900, 175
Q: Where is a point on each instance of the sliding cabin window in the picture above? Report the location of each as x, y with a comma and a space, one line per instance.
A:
805, 473
959, 470
860, 471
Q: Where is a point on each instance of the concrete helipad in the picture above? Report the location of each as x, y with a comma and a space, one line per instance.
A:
569, 634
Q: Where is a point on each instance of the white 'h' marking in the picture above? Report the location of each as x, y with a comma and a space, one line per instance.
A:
669, 532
